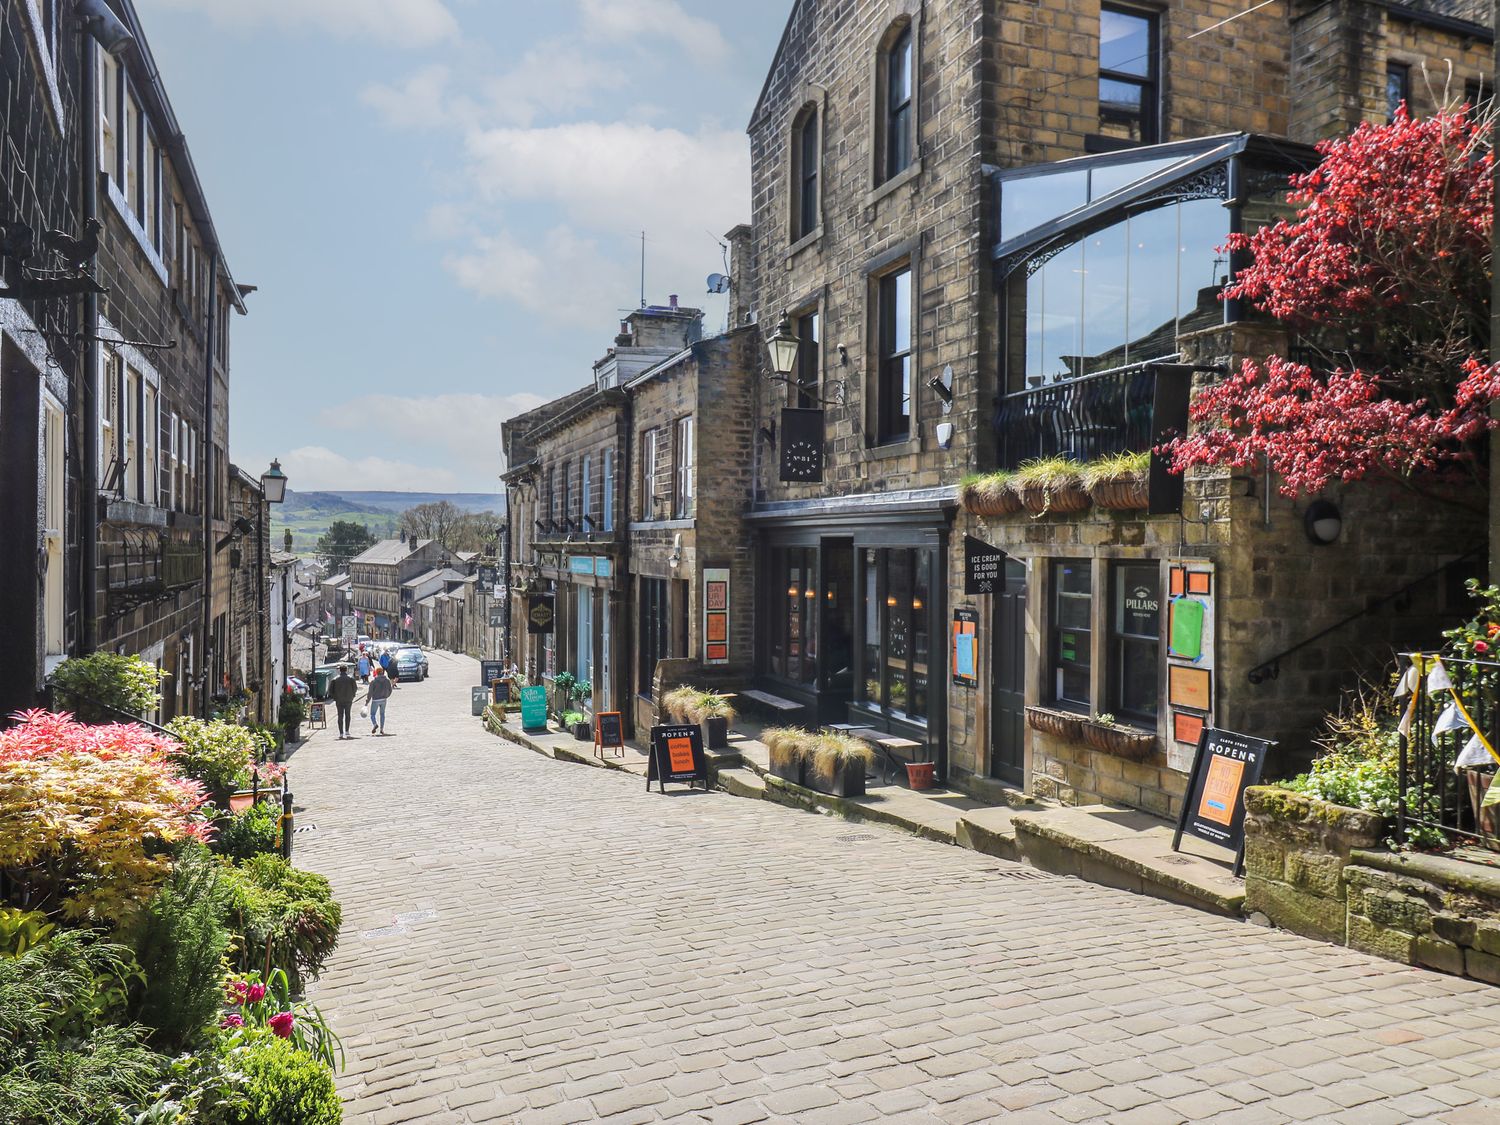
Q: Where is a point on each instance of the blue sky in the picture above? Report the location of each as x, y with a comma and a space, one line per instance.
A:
441, 200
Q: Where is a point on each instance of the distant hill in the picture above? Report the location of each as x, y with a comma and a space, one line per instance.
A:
308, 514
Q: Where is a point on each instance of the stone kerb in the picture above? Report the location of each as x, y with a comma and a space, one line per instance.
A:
1430, 910
1296, 850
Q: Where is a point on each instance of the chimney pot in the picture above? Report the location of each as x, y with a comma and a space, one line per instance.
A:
672, 300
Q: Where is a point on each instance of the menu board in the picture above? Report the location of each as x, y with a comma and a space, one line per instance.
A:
1225, 766
609, 732
676, 755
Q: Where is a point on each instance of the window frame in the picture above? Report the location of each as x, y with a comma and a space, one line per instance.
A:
585, 487
899, 114
1055, 659
923, 573
683, 448
607, 486
1120, 643
1400, 72
1150, 85
805, 392
649, 443
887, 354
806, 181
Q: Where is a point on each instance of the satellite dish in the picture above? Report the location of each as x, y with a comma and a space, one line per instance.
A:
718, 283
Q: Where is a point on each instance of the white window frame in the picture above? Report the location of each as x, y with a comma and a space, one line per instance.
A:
607, 507
648, 474
682, 456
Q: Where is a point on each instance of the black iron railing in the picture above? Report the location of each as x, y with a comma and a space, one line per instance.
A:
1445, 766
1080, 419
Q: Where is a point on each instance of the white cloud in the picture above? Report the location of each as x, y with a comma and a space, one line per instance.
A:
314, 468
564, 277
616, 20
421, 101
414, 23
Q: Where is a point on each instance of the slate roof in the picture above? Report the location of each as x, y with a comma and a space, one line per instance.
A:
389, 551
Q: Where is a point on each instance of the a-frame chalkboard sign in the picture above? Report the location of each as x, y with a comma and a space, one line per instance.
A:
676, 755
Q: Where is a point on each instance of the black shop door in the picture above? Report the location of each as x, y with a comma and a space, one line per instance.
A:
1008, 685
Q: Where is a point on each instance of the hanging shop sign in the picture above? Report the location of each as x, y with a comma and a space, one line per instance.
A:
965, 630
676, 755
984, 567
801, 445
581, 564
609, 733
534, 708
715, 615
1225, 766
540, 613
497, 618
488, 576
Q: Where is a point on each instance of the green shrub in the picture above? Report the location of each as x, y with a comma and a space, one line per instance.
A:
283, 1086
253, 832
286, 918
61, 1061
292, 710
217, 753
126, 683
20, 930
180, 942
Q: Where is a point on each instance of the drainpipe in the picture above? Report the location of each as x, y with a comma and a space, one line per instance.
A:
88, 477
206, 483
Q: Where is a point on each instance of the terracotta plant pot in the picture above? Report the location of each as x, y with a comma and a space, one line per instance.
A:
1039, 499
919, 775
1122, 742
1120, 494
1059, 724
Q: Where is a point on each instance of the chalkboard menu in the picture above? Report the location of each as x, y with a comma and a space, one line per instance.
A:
609, 732
676, 755
1225, 766
534, 708
984, 567
491, 670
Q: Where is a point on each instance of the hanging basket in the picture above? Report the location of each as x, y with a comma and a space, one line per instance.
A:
1120, 494
1122, 742
1039, 499
1059, 724
1005, 502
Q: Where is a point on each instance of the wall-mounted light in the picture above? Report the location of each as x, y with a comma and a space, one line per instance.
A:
104, 26
843, 356
783, 347
1322, 522
675, 558
809, 593
942, 386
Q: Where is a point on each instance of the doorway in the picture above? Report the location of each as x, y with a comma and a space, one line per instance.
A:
836, 622
1008, 683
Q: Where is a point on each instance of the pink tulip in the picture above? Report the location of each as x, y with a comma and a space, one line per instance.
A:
281, 1024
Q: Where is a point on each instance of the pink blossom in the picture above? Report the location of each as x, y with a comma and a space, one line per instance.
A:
232, 1020
281, 1024
256, 993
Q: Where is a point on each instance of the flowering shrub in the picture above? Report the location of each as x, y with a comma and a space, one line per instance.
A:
1388, 258
256, 1006
218, 754
83, 812
1479, 637
124, 683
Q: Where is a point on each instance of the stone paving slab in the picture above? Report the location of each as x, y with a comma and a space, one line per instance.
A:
528, 941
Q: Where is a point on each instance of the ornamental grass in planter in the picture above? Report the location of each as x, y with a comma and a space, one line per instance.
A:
1059, 724
1119, 482
714, 713
788, 746
677, 704
989, 494
836, 764
1103, 734
1050, 484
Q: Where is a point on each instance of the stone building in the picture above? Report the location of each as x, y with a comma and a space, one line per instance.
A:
993, 230
127, 377
375, 582
246, 552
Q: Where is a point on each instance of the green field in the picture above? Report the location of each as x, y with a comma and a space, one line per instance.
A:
309, 514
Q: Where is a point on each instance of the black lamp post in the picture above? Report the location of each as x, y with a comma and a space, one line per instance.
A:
272, 491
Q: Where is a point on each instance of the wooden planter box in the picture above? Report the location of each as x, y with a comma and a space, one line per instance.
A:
1039, 500
1121, 494
716, 734
846, 780
1059, 724
1122, 742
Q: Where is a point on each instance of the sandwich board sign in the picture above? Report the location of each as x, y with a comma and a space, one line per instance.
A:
534, 708
1225, 766
609, 733
676, 755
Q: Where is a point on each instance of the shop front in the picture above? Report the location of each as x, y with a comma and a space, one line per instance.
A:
583, 643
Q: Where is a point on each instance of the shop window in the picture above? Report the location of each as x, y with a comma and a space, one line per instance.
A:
897, 599
652, 636
794, 615
1397, 89
1135, 640
893, 394
809, 361
1072, 640
1128, 98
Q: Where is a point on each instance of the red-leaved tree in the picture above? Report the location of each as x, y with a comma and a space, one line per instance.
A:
1384, 274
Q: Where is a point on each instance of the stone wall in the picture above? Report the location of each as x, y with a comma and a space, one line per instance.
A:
1317, 869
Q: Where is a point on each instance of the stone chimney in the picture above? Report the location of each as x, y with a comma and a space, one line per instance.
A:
739, 276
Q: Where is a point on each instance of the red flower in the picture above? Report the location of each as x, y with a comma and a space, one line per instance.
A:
255, 993
281, 1024
238, 991
1481, 647
232, 1021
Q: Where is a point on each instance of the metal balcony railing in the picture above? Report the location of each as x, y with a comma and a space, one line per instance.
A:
1080, 419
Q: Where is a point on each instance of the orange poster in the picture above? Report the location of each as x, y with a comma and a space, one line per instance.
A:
680, 751
1221, 789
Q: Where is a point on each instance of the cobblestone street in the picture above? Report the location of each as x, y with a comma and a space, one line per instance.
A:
524, 940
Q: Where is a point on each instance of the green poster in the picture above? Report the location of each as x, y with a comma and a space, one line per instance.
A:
1186, 641
534, 708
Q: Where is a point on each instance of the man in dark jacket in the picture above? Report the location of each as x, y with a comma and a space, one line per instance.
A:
377, 693
344, 689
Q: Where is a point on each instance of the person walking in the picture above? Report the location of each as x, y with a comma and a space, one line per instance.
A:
364, 667
378, 692
344, 689
385, 661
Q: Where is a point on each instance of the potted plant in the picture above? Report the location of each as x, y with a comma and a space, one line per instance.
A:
788, 746
713, 712
989, 494
1101, 732
290, 714
677, 705
836, 763
1118, 482
1050, 484
583, 730
562, 689
1059, 724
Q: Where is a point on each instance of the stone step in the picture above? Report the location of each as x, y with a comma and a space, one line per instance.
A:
990, 831
1132, 851
740, 782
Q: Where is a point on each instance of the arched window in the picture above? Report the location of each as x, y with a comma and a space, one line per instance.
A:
806, 165
898, 104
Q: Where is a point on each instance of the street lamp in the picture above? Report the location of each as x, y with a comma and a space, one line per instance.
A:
272, 491
273, 483
783, 347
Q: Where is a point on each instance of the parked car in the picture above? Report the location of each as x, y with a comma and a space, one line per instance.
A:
410, 663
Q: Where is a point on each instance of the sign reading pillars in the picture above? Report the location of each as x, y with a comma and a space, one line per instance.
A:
715, 615
1190, 656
